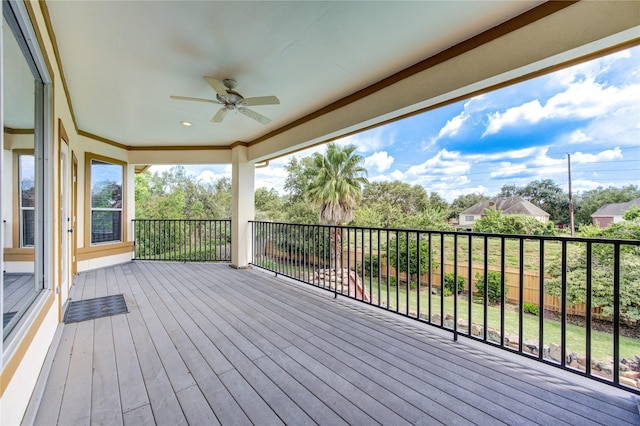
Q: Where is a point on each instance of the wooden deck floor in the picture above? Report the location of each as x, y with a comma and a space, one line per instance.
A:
17, 290
207, 344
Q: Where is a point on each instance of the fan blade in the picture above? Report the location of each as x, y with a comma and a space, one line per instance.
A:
217, 86
186, 98
261, 100
220, 115
252, 114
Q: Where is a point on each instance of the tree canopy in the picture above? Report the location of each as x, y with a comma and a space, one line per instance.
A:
337, 183
332, 189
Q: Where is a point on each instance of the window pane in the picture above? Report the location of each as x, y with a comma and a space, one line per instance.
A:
27, 178
28, 227
106, 185
106, 226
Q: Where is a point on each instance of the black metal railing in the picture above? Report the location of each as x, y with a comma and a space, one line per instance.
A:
569, 302
198, 240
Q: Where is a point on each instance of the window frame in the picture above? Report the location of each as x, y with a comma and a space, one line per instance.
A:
17, 228
89, 209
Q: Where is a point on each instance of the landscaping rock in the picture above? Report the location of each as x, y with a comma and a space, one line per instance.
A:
631, 374
628, 382
605, 368
554, 352
493, 335
463, 324
477, 330
530, 346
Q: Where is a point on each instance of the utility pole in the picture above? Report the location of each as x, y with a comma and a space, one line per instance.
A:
573, 234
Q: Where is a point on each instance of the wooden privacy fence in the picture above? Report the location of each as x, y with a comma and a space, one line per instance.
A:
531, 294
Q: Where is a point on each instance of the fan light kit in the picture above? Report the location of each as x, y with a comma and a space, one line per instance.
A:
232, 100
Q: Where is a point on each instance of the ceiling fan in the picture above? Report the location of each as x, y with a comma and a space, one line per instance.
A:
232, 100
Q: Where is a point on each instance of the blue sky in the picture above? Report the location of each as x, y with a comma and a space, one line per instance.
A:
514, 135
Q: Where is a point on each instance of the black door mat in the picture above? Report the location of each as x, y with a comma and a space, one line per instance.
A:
7, 317
84, 310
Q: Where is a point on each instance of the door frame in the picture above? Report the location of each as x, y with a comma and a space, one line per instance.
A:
63, 143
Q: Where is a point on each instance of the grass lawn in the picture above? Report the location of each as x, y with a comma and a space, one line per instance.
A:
601, 342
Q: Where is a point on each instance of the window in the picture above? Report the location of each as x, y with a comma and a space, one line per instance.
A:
26, 184
468, 218
106, 201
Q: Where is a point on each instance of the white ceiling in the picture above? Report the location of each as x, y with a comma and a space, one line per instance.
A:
123, 59
18, 96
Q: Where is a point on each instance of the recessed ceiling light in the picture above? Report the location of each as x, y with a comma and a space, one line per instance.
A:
185, 123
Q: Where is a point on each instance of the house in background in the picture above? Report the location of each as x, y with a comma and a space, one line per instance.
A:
508, 205
612, 213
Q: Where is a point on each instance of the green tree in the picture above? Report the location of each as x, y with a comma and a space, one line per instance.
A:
508, 190
406, 198
299, 175
633, 214
463, 202
547, 195
433, 219
496, 222
173, 194
269, 205
403, 254
437, 203
590, 201
602, 271
337, 186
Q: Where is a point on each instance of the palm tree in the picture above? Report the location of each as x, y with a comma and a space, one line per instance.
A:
337, 189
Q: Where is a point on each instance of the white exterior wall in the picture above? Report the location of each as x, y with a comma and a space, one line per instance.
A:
463, 221
243, 208
15, 398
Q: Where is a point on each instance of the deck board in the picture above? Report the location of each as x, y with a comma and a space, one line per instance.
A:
17, 290
208, 344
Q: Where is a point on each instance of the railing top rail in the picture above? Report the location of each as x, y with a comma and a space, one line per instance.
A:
180, 220
466, 233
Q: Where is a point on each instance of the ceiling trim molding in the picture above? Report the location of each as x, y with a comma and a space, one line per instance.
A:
158, 148
11, 131
238, 143
179, 148
513, 24
40, 41
101, 139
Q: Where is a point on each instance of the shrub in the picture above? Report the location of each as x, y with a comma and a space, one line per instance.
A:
449, 283
531, 308
496, 222
602, 271
494, 278
406, 247
371, 265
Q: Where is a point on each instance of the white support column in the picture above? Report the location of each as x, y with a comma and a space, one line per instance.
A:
242, 209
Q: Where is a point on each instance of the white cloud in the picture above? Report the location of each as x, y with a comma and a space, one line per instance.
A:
380, 161
397, 175
582, 100
443, 163
210, 176
506, 168
509, 155
271, 177
578, 136
452, 126
606, 155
